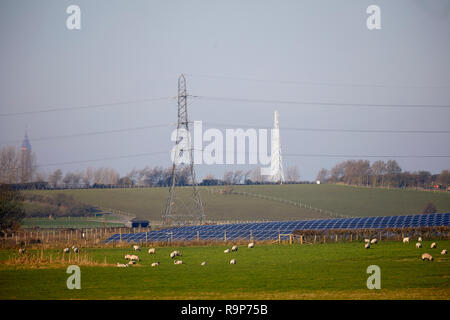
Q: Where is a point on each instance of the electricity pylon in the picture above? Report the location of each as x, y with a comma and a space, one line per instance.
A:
277, 172
182, 206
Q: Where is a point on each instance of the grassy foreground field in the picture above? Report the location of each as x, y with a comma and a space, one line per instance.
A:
321, 271
352, 201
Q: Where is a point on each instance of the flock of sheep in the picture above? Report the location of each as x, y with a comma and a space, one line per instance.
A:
425, 256
132, 259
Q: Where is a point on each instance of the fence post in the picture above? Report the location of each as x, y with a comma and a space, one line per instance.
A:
225, 236
198, 236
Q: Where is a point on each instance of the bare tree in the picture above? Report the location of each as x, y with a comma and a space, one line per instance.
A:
292, 174
237, 176
9, 165
256, 176
322, 176
228, 177
88, 177
55, 178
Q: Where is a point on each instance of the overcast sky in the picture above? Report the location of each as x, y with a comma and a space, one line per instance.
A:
313, 51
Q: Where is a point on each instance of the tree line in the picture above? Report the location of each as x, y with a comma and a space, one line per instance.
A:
382, 174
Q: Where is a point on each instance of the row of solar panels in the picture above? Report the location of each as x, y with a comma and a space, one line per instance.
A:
271, 230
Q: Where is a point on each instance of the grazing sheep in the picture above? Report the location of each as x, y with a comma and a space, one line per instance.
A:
367, 245
173, 254
121, 265
178, 253
433, 245
203, 263
234, 248
151, 251
66, 250
427, 256
251, 245
374, 241
136, 248
226, 251
75, 250
155, 264
127, 256
133, 257
22, 250
131, 262
444, 251
233, 261
177, 262
418, 245
367, 240
419, 239
406, 240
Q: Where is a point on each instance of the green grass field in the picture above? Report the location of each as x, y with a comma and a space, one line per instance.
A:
352, 201
321, 271
67, 222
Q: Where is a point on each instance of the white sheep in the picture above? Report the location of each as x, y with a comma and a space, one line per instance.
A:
226, 251
121, 265
131, 262
136, 248
155, 264
173, 254
127, 256
177, 262
233, 261
374, 241
133, 257
234, 248
406, 240
251, 245
367, 245
419, 239
152, 251
427, 256
444, 251
22, 250
75, 250
433, 245
367, 240
418, 245
203, 263
66, 250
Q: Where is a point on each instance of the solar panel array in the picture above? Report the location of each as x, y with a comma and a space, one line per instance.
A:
271, 230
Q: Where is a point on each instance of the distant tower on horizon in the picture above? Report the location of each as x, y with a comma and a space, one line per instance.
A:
26, 162
276, 165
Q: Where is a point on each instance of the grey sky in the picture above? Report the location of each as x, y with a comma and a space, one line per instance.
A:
131, 50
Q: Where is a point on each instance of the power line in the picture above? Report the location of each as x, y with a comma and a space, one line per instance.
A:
101, 159
91, 133
312, 83
89, 106
340, 104
363, 156
334, 129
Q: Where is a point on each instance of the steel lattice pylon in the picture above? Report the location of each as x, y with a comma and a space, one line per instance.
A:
182, 206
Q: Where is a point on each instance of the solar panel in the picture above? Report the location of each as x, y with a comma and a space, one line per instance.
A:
271, 230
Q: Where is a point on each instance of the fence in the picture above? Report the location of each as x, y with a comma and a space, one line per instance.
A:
298, 204
86, 236
349, 235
